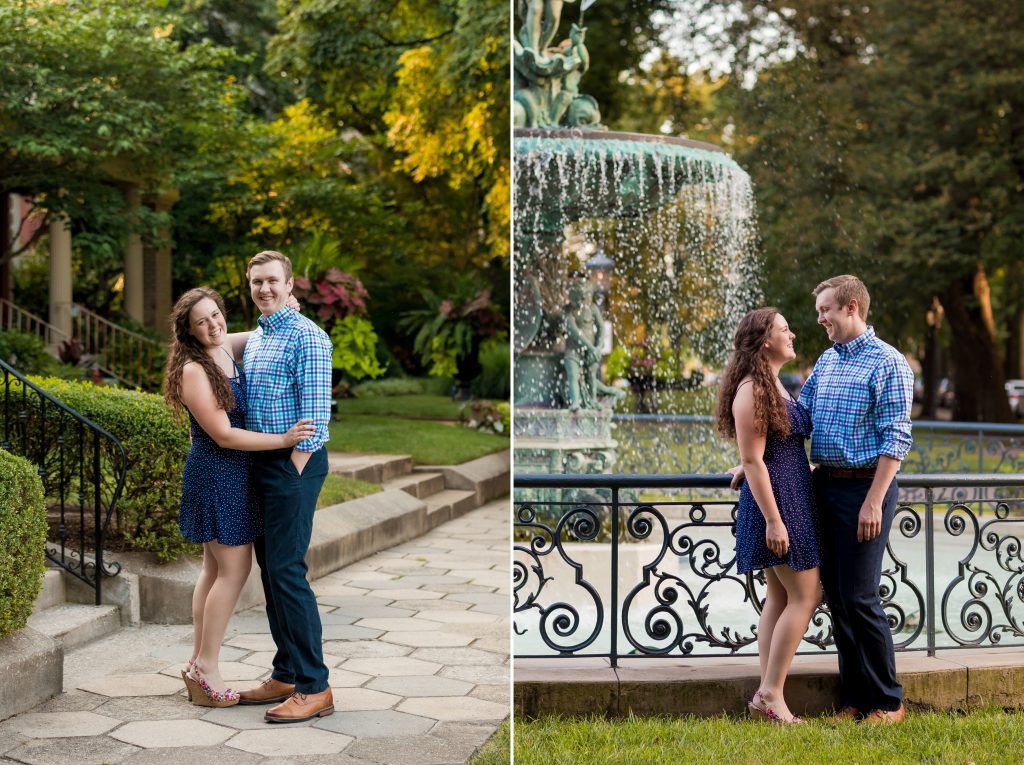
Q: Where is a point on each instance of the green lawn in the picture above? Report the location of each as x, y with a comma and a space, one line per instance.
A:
496, 750
418, 406
339, 489
987, 736
429, 443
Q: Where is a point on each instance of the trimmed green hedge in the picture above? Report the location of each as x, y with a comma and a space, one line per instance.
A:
156, 447
22, 540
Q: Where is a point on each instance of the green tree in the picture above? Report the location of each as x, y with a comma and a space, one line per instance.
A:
887, 139
96, 93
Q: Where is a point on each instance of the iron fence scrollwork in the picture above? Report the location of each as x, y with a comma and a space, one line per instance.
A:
82, 468
674, 562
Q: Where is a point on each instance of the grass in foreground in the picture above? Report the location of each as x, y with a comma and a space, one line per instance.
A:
429, 443
496, 750
339, 489
983, 736
417, 406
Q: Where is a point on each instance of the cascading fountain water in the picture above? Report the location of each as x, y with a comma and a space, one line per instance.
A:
678, 212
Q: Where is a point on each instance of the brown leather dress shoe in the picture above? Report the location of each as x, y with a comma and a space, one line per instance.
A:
302, 706
847, 714
886, 715
270, 691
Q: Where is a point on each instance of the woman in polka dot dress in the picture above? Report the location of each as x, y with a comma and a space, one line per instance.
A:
217, 507
776, 521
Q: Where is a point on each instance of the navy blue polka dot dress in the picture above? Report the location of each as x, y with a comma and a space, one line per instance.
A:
791, 484
217, 501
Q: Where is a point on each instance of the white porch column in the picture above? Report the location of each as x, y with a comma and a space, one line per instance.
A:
60, 274
134, 270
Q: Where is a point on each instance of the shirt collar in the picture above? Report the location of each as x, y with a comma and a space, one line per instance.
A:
276, 320
853, 347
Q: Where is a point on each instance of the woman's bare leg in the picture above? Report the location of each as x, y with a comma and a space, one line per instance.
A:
803, 594
207, 576
774, 605
233, 564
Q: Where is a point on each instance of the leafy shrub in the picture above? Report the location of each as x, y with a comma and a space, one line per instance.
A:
22, 540
355, 348
27, 354
495, 379
156, 447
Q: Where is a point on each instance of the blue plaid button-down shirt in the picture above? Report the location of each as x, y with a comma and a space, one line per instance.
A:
859, 396
288, 369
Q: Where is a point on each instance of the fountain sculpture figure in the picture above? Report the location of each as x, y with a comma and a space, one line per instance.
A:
672, 207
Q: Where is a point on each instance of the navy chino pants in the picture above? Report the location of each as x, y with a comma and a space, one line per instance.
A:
850, 575
289, 500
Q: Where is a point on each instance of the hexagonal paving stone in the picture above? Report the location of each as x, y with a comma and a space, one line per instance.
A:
481, 674
429, 685
276, 742
499, 694
372, 724
245, 717
396, 625
462, 617
407, 593
363, 699
457, 656
428, 639
375, 612
150, 734
133, 685
340, 678
346, 601
366, 649
451, 708
349, 632
429, 606
72, 751
193, 754
62, 724
391, 667
253, 642
412, 750
153, 708
72, 701
335, 590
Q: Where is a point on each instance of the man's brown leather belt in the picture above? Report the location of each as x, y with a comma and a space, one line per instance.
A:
833, 472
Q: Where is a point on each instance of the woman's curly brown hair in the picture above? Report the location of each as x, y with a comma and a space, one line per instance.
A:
185, 348
748, 359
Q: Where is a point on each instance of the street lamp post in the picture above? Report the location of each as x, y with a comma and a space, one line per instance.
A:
600, 267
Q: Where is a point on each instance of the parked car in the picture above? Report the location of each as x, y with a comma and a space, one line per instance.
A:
1015, 395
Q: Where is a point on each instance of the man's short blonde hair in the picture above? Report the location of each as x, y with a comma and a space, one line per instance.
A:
268, 256
847, 288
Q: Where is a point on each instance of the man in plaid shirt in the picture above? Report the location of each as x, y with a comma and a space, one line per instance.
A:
288, 371
859, 397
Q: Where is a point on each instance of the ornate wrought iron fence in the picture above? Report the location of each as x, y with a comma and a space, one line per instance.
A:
82, 467
689, 444
617, 566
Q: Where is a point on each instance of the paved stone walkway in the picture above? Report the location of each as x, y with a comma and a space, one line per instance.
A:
417, 638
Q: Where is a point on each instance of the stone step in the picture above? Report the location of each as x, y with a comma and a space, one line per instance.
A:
490, 476
53, 592
73, 625
448, 504
419, 485
375, 468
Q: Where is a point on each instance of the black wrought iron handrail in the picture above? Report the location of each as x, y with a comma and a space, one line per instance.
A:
570, 598
70, 451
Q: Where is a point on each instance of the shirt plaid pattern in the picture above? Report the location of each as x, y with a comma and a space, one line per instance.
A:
859, 396
288, 366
